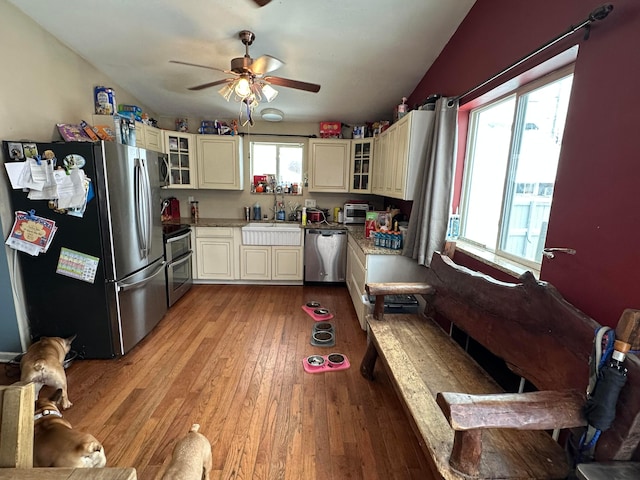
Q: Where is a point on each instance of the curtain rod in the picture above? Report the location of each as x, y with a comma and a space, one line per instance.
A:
599, 13
251, 134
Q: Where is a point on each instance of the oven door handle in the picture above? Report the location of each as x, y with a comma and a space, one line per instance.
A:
178, 237
181, 260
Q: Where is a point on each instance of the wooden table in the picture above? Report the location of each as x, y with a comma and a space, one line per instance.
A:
68, 474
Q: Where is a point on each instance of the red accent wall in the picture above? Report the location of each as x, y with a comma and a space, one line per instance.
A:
596, 207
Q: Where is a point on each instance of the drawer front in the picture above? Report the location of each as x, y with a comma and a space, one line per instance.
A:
357, 251
214, 232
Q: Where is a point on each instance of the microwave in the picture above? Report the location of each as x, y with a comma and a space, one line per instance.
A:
355, 212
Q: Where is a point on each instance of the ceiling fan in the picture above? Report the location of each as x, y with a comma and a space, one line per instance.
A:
253, 71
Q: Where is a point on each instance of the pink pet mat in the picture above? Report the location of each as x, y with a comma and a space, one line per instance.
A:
315, 316
325, 366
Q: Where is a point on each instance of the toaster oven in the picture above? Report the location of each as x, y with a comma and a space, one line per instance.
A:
355, 212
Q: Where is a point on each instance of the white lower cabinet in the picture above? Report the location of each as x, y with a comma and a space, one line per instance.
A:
216, 253
373, 268
266, 262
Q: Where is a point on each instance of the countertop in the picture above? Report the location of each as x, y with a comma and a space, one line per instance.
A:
355, 231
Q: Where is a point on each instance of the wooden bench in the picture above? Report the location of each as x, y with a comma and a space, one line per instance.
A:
464, 420
17, 409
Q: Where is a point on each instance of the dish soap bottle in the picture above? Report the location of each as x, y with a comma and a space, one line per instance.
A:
257, 213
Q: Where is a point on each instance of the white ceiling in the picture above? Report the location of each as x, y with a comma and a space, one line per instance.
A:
365, 54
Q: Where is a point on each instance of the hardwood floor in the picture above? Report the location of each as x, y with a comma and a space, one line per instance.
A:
229, 357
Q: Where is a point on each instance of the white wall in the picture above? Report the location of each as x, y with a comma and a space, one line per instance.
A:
42, 83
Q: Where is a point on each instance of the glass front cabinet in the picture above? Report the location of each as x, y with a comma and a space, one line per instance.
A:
180, 150
361, 165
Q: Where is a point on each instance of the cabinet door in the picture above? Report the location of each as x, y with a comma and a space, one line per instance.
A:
215, 258
219, 162
401, 159
381, 143
329, 163
153, 138
182, 159
389, 166
141, 140
286, 263
255, 262
361, 165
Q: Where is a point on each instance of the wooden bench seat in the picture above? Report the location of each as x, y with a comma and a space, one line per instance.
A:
466, 433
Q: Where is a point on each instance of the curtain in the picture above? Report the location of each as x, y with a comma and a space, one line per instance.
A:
432, 200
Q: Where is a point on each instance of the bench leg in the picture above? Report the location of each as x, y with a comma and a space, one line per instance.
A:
467, 448
369, 361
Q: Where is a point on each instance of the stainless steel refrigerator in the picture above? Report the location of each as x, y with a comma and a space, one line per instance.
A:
121, 227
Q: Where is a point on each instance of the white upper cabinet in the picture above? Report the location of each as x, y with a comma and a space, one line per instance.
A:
181, 153
329, 165
400, 151
220, 162
361, 165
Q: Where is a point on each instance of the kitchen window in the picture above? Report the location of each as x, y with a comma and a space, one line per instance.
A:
284, 160
512, 152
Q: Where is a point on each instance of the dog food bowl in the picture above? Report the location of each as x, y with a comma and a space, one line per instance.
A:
335, 359
322, 336
315, 360
313, 304
323, 326
321, 312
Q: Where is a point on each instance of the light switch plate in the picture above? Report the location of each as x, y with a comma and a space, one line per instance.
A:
309, 203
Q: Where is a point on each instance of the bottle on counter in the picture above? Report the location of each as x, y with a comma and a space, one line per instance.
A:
304, 215
195, 211
257, 212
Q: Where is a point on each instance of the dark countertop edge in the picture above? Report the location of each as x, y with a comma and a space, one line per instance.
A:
355, 231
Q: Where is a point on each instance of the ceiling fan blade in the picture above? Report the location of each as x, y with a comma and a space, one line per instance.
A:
211, 84
285, 82
261, 3
265, 64
200, 66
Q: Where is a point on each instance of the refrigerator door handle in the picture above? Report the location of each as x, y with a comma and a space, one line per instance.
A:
143, 212
123, 287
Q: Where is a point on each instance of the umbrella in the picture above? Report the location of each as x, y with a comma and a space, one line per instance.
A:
608, 376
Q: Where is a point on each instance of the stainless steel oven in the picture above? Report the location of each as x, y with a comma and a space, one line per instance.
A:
177, 251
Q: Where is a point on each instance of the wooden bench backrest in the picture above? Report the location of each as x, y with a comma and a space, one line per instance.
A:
16, 425
540, 336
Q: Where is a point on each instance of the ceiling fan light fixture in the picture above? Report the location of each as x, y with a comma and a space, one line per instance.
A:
269, 92
226, 91
272, 115
242, 87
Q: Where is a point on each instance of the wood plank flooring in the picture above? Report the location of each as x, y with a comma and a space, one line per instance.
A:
229, 357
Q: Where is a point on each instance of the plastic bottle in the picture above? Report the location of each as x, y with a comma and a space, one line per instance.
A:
304, 215
195, 211
257, 212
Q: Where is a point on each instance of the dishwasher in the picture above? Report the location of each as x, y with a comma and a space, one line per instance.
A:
325, 255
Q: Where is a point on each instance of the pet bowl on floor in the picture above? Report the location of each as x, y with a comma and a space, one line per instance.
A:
335, 359
322, 337
315, 360
313, 304
323, 326
321, 312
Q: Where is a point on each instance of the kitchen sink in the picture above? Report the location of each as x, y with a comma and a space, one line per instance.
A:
271, 233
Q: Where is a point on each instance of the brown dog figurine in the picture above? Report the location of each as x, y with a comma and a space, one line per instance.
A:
191, 459
56, 444
43, 364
